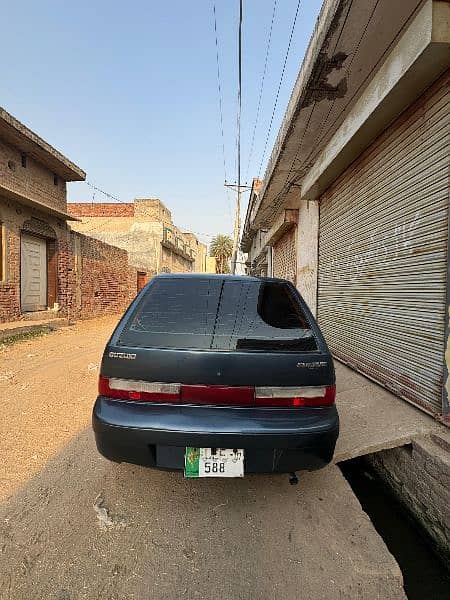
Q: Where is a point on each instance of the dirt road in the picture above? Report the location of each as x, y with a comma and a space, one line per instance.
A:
74, 526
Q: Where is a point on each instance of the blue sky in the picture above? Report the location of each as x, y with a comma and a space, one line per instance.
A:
128, 91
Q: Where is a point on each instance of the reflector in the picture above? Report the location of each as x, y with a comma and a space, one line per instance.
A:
216, 395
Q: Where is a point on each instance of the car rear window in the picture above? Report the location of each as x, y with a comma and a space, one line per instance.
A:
219, 314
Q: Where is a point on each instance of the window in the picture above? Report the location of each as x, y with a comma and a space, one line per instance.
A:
55, 179
219, 314
24, 161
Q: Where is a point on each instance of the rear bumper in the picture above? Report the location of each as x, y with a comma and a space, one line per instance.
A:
274, 440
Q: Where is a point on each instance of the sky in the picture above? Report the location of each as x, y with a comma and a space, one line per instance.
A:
128, 91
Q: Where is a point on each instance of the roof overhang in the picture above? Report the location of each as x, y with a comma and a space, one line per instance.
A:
419, 57
27, 201
286, 221
351, 43
18, 135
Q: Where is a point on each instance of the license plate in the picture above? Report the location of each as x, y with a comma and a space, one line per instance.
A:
213, 462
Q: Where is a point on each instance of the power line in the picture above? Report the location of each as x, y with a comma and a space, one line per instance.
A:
237, 223
97, 189
219, 88
239, 93
348, 72
279, 86
269, 39
108, 195
287, 184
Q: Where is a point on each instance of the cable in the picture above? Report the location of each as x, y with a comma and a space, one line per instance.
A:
237, 222
97, 189
279, 87
252, 145
239, 94
219, 88
348, 72
287, 184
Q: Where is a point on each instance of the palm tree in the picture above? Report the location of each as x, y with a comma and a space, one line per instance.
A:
221, 248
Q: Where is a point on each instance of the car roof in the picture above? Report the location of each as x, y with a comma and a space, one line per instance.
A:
214, 276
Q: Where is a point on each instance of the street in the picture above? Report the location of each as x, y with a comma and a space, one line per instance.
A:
74, 526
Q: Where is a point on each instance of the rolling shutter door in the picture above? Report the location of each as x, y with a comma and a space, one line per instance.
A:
383, 255
285, 256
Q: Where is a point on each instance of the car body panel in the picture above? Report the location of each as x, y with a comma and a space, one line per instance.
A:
274, 439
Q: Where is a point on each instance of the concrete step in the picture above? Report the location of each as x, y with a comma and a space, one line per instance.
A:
40, 315
15, 328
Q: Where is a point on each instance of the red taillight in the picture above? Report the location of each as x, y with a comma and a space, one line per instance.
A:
295, 396
216, 395
141, 391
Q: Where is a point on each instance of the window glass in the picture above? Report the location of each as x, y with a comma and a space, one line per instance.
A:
219, 314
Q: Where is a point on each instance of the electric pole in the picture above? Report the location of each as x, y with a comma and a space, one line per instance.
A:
237, 187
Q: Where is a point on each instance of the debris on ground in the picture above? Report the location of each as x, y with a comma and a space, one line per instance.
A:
105, 520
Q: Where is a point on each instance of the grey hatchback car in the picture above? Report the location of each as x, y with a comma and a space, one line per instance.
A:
218, 376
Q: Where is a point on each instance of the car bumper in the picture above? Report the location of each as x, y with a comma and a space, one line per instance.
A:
274, 439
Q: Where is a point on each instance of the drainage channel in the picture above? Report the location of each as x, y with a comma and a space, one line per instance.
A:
424, 575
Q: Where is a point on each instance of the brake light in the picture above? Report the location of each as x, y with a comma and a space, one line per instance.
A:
295, 396
216, 395
141, 391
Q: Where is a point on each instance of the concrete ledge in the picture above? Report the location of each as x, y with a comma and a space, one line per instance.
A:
286, 221
420, 56
17, 328
419, 475
374, 419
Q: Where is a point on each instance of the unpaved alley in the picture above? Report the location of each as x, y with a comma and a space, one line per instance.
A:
74, 526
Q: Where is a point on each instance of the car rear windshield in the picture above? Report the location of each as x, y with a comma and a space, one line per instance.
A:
219, 314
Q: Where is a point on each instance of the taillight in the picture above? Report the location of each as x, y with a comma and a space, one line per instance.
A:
143, 391
295, 396
216, 395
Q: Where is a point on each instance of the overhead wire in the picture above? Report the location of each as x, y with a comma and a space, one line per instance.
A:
279, 86
263, 78
239, 107
219, 91
236, 232
108, 195
288, 183
348, 72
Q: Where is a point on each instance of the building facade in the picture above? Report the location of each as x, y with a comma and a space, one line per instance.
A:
144, 228
353, 208
44, 265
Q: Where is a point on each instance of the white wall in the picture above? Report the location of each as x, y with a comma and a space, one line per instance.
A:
307, 252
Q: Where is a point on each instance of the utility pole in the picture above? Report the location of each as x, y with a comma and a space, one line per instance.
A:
237, 187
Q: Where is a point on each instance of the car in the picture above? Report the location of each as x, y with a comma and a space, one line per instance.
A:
217, 375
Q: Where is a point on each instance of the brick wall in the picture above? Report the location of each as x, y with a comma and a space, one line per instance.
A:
92, 278
152, 209
106, 209
108, 284
285, 256
33, 181
9, 286
419, 475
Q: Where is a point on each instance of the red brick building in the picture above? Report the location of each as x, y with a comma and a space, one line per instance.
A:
44, 265
145, 229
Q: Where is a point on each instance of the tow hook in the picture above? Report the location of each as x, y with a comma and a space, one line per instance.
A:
293, 479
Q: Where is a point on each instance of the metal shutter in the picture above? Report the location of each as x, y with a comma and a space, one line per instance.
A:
383, 255
285, 256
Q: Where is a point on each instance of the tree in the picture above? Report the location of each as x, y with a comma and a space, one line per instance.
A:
221, 248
